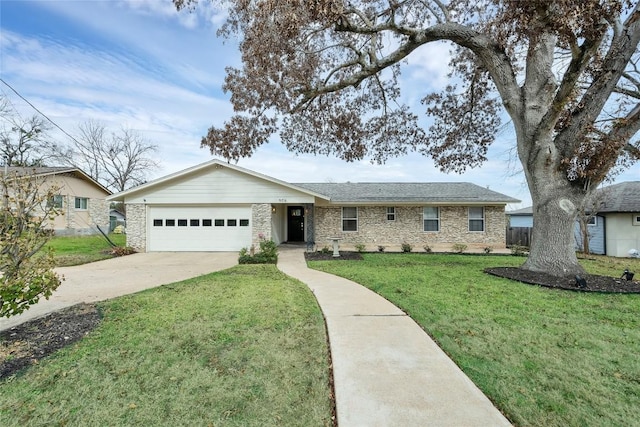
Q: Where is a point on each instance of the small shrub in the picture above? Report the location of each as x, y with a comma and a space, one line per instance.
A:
487, 250
268, 254
325, 250
122, 251
360, 247
381, 248
406, 247
427, 249
518, 250
459, 248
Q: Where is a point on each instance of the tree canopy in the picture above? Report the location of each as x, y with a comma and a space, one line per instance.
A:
326, 74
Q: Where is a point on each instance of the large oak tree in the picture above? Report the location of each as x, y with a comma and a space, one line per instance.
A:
326, 74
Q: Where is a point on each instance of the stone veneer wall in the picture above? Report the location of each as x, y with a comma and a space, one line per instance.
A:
137, 226
310, 222
261, 220
82, 222
99, 213
374, 230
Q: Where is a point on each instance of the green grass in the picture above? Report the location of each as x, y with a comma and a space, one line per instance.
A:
76, 250
545, 357
241, 347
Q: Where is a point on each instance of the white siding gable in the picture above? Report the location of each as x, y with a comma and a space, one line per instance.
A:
219, 184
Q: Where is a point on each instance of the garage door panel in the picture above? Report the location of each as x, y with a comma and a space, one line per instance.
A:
199, 228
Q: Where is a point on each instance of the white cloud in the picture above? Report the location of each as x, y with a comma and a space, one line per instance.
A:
141, 66
428, 67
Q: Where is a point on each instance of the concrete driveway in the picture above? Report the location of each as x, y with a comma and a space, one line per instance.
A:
110, 278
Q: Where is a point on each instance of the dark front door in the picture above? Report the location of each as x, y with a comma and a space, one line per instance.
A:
295, 224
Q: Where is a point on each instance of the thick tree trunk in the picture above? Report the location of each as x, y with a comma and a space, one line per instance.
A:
555, 207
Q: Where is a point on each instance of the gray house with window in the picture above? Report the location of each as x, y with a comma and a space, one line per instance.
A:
613, 230
595, 229
217, 206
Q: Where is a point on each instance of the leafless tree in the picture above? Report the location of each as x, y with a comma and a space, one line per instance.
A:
586, 214
23, 142
327, 72
117, 160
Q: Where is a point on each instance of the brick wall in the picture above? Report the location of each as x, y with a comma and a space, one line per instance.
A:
375, 230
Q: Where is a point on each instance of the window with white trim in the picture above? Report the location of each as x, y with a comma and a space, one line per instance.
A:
593, 221
476, 218
431, 218
349, 219
636, 219
55, 201
391, 213
82, 203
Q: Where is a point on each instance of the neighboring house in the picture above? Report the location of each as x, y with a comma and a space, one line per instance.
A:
116, 218
615, 230
79, 199
523, 218
216, 206
621, 212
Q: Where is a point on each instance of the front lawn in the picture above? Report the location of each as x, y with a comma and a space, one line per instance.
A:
241, 347
76, 250
545, 357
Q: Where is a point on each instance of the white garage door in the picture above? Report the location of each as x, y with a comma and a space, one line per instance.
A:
199, 228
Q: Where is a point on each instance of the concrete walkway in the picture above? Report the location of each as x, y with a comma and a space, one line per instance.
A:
387, 371
114, 277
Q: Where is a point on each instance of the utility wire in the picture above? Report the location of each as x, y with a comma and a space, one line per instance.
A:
66, 133
39, 112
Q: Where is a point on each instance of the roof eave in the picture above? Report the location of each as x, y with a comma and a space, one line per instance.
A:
122, 195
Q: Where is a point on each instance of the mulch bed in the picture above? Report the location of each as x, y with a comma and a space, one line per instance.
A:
25, 344
594, 283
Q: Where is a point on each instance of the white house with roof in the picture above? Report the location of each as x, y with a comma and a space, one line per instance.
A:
216, 206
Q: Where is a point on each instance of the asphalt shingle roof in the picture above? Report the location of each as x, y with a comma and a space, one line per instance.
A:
623, 197
429, 192
21, 171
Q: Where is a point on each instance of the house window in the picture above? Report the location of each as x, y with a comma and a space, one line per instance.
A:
182, 223
476, 219
55, 201
170, 222
593, 221
349, 219
244, 223
391, 214
636, 219
194, 223
431, 218
206, 223
232, 222
157, 223
81, 203
219, 223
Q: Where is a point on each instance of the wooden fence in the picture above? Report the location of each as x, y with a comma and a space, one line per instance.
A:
519, 236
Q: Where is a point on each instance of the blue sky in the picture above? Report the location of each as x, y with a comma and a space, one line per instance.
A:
142, 65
